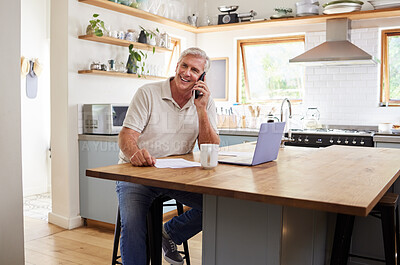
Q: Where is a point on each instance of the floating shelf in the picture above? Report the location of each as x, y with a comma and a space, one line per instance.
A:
119, 74
123, 43
139, 13
359, 15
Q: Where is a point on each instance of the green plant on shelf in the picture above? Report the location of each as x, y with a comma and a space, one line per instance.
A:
151, 34
96, 26
136, 56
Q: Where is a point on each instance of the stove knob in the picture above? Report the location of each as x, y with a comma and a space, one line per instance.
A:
354, 141
346, 141
362, 142
299, 140
339, 141
331, 140
306, 140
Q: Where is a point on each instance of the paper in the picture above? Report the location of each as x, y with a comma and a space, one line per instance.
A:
175, 163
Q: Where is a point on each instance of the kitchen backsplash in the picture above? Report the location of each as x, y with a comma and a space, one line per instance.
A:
348, 95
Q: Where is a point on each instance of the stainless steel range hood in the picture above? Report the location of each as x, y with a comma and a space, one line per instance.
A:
337, 50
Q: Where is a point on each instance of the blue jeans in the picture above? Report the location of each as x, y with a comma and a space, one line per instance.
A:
134, 203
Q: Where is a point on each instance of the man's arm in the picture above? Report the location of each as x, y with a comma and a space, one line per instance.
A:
207, 135
127, 142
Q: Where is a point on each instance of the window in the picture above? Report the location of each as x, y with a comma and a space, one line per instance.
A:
264, 73
390, 68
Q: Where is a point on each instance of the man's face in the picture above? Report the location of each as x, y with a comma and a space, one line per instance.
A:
188, 71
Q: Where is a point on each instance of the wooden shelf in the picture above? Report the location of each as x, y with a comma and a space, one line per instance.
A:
119, 74
123, 43
139, 13
369, 14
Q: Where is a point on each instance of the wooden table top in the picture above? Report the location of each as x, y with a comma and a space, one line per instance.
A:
341, 179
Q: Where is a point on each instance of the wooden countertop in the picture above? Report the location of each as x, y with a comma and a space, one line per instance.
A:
342, 179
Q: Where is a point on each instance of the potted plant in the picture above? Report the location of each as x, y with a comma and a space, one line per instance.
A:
95, 27
148, 36
134, 57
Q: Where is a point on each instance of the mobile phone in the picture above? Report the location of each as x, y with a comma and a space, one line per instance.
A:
196, 92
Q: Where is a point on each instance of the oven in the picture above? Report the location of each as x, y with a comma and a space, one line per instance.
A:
327, 137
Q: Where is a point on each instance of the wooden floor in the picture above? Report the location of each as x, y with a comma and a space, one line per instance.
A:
49, 244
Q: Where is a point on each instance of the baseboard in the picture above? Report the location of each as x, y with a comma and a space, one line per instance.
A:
67, 223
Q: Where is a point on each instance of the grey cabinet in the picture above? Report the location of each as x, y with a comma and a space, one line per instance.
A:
98, 198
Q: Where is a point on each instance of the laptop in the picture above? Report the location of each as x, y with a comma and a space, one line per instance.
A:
267, 147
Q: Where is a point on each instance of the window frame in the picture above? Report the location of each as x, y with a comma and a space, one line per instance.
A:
176, 47
385, 90
259, 41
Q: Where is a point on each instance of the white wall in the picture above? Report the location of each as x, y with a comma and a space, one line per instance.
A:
345, 95
70, 89
35, 43
11, 220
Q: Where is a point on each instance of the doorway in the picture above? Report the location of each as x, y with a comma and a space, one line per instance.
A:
35, 108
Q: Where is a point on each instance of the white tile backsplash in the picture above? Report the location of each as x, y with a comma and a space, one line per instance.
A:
347, 95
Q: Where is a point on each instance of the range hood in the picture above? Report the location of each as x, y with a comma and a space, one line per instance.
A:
337, 50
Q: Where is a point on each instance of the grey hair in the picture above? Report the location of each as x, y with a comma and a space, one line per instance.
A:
198, 53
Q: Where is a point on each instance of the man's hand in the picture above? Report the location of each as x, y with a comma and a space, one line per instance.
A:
142, 158
201, 102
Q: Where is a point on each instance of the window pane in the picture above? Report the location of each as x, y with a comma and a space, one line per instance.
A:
394, 67
270, 75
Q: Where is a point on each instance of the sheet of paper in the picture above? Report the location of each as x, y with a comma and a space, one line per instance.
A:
235, 154
175, 163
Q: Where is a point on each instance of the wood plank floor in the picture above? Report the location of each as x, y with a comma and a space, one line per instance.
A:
49, 244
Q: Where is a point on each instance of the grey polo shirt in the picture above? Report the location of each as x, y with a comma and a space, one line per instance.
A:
166, 129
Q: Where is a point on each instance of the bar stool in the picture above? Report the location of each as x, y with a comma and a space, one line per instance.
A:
387, 211
154, 232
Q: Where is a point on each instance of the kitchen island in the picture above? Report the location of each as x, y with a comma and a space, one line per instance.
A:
277, 212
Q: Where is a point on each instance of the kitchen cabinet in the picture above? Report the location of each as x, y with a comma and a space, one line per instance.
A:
360, 15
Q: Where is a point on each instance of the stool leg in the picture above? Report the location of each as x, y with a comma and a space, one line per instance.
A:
179, 207
342, 239
389, 237
397, 231
154, 221
117, 233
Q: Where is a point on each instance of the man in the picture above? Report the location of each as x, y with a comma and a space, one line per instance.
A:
164, 119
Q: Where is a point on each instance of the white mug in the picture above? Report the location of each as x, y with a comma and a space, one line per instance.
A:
209, 155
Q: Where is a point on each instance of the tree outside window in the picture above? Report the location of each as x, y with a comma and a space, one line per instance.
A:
390, 68
264, 72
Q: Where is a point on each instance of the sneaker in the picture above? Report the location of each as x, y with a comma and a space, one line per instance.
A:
170, 251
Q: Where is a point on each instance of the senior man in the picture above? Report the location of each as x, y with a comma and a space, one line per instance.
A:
164, 119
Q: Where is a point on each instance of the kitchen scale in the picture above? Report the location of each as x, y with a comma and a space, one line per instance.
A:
233, 17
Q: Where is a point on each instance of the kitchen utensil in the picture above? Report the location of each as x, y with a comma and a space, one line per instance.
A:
385, 127
228, 8
95, 66
379, 4
111, 65
192, 20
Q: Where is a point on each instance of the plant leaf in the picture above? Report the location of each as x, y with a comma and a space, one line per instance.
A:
95, 15
154, 50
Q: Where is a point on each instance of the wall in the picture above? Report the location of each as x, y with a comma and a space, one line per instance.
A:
11, 220
70, 89
35, 43
345, 95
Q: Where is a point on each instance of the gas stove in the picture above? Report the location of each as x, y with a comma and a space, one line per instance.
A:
327, 137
